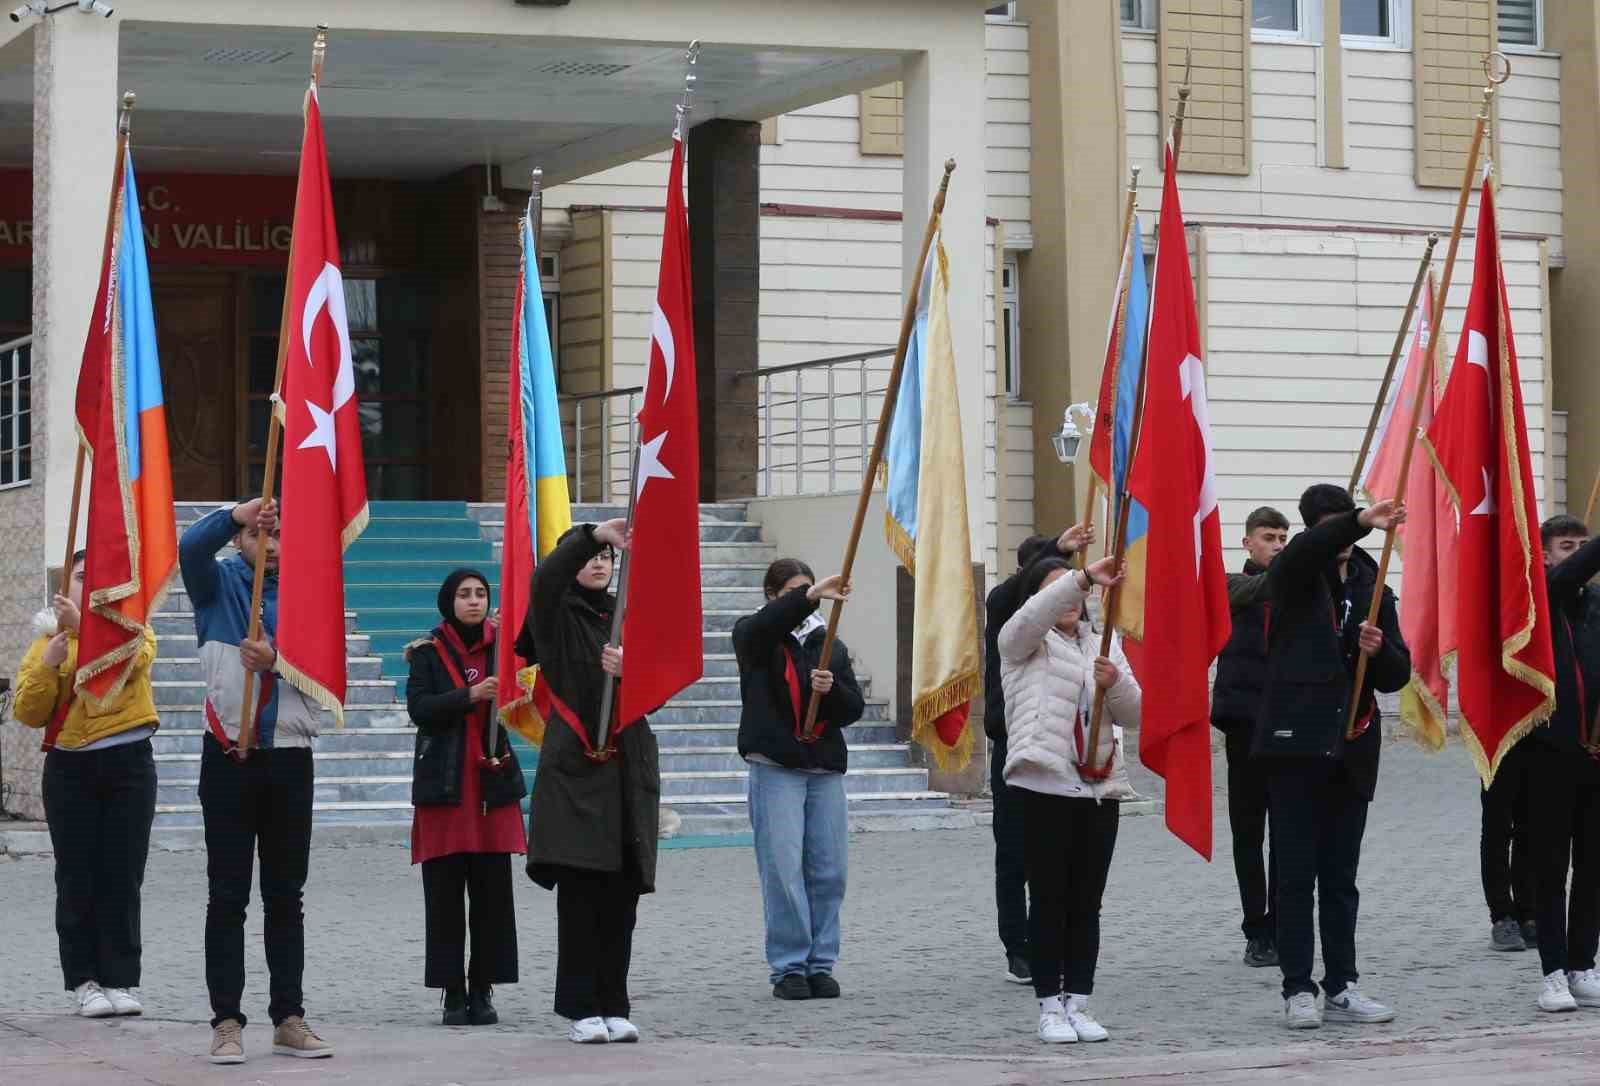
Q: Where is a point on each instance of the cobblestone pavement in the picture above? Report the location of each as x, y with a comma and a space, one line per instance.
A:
921, 966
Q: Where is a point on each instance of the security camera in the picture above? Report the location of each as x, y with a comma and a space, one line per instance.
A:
32, 7
95, 7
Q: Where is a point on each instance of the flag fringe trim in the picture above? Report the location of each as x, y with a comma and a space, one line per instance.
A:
927, 710
311, 689
900, 542
520, 715
357, 525
1422, 715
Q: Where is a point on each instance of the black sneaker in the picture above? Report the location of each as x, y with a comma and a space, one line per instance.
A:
1018, 969
1506, 935
480, 1007
455, 1006
823, 986
1530, 933
1260, 953
792, 986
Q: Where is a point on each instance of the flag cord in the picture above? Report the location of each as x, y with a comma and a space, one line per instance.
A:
1424, 379
869, 477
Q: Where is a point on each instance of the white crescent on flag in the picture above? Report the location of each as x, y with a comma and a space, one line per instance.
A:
328, 290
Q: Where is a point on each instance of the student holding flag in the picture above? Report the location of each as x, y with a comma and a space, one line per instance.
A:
86, 678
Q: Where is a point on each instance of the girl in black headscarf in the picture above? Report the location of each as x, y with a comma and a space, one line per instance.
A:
467, 821
593, 820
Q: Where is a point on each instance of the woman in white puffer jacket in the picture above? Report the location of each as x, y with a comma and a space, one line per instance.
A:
1049, 669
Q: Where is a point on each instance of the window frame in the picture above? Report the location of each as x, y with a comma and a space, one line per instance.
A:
1144, 17
19, 454
1303, 15
1011, 317
1538, 44
1399, 39
1009, 16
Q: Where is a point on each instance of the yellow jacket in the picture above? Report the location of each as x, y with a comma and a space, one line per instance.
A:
40, 690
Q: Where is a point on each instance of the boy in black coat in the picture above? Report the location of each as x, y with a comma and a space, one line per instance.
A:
1319, 782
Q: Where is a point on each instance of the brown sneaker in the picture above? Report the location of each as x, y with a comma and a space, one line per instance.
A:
294, 1038
227, 1042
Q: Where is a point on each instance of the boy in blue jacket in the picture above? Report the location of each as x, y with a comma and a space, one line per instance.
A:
256, 802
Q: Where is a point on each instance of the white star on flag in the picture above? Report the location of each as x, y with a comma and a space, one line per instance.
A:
650, 466
1486, 506
322, 434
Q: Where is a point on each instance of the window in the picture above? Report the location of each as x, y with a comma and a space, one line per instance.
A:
1002, 13
16, 413
1521, 23
1278, 17
1010, 326
550, 282
1138, 14
1378, 22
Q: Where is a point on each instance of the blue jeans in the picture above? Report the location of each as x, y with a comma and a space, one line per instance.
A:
802, 829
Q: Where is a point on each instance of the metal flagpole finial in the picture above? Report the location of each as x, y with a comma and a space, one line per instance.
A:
1188, 71
319, 52
1133, 179
125, 118
691, 57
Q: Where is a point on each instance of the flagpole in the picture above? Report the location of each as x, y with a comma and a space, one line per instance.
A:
1119, 315
1394, 361
1594, 492
869, 476
1119, 541
1426, 376
124, 129
608, 696
241, 747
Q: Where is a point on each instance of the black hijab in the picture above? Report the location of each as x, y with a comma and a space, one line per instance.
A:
470, 635
599, 600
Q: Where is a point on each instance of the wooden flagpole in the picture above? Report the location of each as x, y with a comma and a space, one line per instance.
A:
869, 477
1119, 315
1594, 492
1492, 81
608, 697
124, 128
1119, 543
1394, 360
241, 748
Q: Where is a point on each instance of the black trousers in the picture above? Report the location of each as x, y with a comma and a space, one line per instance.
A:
1505, 846
1318, 820
1010, 870
1068, 844
1247, 817
261, 807
595, 915
1562, 815
99, 804
485, 879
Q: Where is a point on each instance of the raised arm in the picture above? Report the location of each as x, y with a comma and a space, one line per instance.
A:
552, 580
1310, 553
1567, 578
1021, 637
197, 553
755, 635
1247, 589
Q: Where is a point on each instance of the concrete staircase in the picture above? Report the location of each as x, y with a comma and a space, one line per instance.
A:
392, 577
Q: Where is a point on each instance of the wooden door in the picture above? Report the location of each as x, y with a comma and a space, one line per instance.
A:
195, 318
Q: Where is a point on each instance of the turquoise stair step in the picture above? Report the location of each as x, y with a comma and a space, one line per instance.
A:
431, 510
409, 622
420, 571
387, 528
460, 551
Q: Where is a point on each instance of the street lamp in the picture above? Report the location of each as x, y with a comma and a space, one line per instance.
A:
1072, 433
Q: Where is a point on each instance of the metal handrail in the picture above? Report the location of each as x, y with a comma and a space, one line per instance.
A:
815, 363
603, 394
24, 341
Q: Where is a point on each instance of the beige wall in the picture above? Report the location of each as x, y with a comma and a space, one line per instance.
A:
1573, 28
1076, 184
815, 530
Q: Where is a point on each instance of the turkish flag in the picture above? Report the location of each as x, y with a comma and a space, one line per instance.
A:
1505, 667
1172, 477
663, 619
324, 480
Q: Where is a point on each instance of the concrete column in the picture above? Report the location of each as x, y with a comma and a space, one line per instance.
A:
725, 257
75, 101
1078, 178
944, 118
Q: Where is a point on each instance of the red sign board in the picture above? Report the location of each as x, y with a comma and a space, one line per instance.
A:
194, 219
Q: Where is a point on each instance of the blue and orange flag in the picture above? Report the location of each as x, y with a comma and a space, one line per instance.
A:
537, 506
925, 510
122, 424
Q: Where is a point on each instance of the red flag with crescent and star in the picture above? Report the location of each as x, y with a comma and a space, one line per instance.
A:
324, 480
663, 618
1504, 663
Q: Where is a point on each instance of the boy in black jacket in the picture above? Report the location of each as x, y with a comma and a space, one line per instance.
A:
1010, 880
1320, 784
1564, 805
1235, 700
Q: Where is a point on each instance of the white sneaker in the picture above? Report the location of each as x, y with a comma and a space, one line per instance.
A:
1351, 1006
1300, 1011
620, 1031
92, 1001
588, 1031
1054, 1029
1556, 995
1585, 987
123, 1002
1078, 1018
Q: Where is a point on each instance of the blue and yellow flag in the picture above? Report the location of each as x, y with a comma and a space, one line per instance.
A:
926, 522
537, 507
1130, 597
